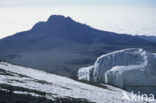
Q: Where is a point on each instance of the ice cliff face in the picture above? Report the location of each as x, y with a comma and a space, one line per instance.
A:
127, 68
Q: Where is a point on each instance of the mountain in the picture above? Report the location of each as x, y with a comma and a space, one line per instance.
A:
150, 38
21, 84
61, 45
131, 69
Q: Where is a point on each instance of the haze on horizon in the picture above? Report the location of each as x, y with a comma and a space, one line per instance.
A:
125, 16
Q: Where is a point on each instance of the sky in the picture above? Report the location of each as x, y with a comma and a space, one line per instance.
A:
136, 17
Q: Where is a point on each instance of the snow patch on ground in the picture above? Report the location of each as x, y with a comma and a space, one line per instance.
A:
57, 86
26, 93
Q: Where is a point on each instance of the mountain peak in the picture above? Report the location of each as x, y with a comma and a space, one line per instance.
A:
59, 18
53, 21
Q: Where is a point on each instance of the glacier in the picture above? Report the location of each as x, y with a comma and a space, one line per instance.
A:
130, 69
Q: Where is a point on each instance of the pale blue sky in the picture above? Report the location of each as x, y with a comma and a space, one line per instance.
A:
149, 3
121, 16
